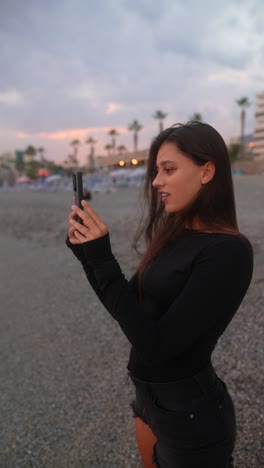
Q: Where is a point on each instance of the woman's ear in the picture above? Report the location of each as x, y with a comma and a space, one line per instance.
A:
208, 172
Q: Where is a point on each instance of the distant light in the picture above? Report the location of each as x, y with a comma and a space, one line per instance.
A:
122, 163
135, 162
42, 173
251, 144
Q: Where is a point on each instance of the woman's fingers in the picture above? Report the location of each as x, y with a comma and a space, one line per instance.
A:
76, 237
73, 239
71, 215
83, 215
90, 217
92, 227
81, 228
91, 212
71, 231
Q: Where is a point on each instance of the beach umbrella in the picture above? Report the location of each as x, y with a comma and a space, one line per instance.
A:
139, 171
53, 178
23, 180
119, 172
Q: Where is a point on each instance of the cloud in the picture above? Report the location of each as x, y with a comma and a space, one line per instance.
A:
229, 77
112, 107
22, 135
11, 97
85, 90
90, 65
69, 134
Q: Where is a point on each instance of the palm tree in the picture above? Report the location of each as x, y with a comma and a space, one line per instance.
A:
30, 166
75, 144
30, 151
243, 103
20, 163
66, 166
121, 149
72, 160
196, 117
233, 150
41, 153
91, 161
113, 133
160, 116
135, 127
108, 149
91, 141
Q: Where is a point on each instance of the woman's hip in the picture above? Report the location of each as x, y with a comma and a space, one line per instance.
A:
202, 417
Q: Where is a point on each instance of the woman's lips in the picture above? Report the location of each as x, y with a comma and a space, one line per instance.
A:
164, 196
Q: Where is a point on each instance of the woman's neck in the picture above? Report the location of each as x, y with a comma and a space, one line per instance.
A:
197, 225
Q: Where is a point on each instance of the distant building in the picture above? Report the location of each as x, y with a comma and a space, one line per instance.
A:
7, 160
11, 161
258, 149
123, 159
248, 142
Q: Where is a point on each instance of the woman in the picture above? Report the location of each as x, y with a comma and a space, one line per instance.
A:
188, 286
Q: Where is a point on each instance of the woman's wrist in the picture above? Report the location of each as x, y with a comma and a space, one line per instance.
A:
98, 250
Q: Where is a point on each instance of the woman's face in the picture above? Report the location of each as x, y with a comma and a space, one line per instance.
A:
178, 178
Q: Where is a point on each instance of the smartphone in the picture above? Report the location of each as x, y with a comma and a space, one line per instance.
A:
77, 182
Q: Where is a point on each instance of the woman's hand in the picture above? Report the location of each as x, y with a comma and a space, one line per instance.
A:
92, 227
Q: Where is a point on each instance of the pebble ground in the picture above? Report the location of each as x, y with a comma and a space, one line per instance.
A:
64, 395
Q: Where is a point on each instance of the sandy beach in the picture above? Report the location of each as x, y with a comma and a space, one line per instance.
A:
64, 393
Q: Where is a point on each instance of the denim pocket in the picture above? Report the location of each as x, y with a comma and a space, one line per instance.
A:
216, 421
202, 422
175, 427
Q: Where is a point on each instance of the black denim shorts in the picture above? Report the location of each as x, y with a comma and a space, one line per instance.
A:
193, 420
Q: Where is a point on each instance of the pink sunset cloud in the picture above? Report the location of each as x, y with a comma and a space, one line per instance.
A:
69, 134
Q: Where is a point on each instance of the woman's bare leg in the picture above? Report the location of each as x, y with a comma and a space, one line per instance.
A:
146, 441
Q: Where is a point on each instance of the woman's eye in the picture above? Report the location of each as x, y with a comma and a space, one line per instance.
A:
169, 170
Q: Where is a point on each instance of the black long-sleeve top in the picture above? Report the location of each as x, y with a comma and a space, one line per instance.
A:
189, 294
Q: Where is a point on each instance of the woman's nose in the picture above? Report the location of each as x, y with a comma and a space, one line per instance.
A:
157, 182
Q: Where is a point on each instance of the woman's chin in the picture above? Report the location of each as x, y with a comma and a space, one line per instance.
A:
170, 209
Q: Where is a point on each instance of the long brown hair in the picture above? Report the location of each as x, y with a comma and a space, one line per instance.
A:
215, 202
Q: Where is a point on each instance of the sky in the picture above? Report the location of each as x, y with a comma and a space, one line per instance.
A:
74, 69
